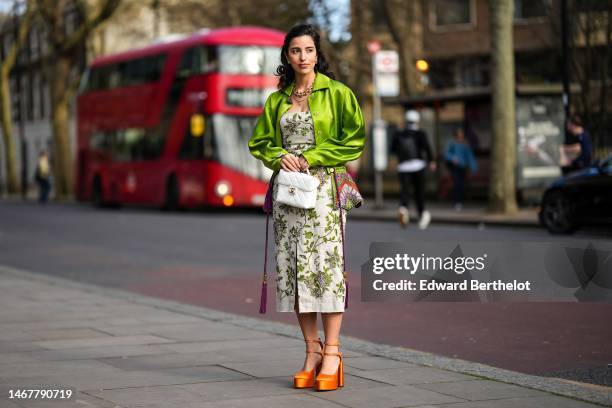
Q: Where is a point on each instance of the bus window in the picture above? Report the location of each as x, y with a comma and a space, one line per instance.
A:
142, 70
198, 147
255, 60
133, 72
127, 145
198, 60
231, 136
101, 144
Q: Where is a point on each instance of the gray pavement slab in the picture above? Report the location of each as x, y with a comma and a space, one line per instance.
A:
116, 353
523, 402
101, 342
414, 374
278, 401
81, 353
387, 397
481, 390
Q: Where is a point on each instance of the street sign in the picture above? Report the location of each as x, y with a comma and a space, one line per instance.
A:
373, 46
387, 61
386, 72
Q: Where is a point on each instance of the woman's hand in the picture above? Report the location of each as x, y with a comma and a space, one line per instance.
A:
290, 163
303, 163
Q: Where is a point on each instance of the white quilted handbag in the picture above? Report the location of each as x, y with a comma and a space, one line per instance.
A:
297, 189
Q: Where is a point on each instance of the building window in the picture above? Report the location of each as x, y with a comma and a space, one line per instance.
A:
44, 97
34, 47
29, 92
524, 9
450, 14
36, 99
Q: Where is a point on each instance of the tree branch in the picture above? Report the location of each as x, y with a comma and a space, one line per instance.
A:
77, 37
24, 29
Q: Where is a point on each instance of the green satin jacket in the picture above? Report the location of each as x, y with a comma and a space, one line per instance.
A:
337, 120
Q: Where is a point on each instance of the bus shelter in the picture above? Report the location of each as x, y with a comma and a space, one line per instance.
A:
539, 124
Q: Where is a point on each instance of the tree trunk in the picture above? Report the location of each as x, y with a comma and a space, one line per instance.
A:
502, 186
402, 33
12, 184
62, 151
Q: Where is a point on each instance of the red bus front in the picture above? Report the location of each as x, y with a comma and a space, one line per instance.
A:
139, 114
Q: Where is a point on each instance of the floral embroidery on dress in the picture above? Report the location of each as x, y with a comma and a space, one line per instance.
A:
308, 241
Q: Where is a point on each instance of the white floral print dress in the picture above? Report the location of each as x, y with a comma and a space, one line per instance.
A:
309, 270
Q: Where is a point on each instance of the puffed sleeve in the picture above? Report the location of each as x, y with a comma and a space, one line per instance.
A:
262, 142
339, 149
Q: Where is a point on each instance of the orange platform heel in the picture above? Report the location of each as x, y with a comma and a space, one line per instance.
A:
306, 379
329, 382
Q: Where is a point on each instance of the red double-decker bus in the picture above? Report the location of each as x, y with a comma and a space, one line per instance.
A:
168, 124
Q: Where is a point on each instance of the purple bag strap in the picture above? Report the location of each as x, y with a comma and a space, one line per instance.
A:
263, 299
344, 272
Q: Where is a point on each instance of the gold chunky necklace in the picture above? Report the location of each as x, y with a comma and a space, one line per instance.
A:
302, 94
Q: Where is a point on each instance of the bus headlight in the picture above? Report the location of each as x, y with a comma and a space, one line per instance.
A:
222, 188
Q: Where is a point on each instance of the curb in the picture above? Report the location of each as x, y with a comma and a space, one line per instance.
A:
357, 214
445, 220
556, 386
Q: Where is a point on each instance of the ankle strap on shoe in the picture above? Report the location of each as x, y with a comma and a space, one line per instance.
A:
332, 344
317, 340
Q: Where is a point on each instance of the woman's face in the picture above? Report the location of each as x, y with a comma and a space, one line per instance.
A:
302, 54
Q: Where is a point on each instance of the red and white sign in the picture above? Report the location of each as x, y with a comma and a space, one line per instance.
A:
387, 62
373, 46
386, 72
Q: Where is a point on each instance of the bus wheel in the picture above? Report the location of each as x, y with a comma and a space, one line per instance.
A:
172, 194
97, 195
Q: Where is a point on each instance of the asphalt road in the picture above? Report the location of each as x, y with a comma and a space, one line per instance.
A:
214, 259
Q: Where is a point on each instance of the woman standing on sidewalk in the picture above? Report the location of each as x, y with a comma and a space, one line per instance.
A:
312, 122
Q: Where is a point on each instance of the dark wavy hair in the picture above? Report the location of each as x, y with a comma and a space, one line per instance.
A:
285, 71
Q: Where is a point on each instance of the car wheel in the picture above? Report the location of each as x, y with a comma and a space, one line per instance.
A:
557, 213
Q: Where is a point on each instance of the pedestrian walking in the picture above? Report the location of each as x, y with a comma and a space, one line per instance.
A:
459, 158
43, 176
413, 152
577, 150
311, 123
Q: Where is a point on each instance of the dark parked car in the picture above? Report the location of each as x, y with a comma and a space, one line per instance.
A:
579, 198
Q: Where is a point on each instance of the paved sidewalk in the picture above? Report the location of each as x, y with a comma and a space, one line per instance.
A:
472, 213
119, 349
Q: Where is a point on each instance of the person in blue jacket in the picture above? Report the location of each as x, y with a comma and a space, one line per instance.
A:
579, 138
459, 157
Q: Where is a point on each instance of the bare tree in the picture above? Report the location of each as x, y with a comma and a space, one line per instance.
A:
360, 62
590, 42
400, 16
63, 73
503, 180
190, 14
6, 116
